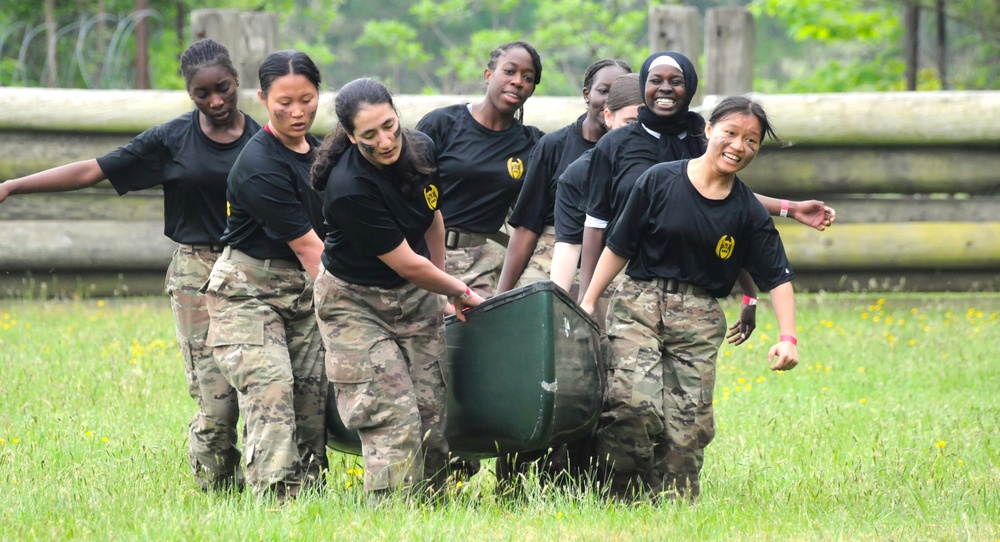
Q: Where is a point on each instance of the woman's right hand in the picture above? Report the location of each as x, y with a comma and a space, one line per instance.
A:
4, 191
587, 307
461, 304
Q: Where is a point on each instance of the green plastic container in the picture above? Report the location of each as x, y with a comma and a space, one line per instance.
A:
526, 373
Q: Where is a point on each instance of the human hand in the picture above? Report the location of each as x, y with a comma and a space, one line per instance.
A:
4, 191
783, 356
473, 300
815, 214
741, 329
587, 307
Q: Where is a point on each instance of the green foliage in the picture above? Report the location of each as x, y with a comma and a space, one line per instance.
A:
829, 21
855, 45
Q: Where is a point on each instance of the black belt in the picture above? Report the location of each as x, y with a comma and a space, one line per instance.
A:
235, 255
217, 249
674, 286
461, 239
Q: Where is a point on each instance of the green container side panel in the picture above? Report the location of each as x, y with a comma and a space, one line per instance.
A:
524, 373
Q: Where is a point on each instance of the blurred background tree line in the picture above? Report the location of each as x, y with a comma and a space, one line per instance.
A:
441, 46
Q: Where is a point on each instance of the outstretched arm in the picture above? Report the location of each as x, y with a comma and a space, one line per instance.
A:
812, 213
58, 179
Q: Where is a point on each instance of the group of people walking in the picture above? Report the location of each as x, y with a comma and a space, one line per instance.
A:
303, 263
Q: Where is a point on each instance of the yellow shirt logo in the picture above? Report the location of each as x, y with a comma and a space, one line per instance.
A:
724, 249
431, 195
229, 209
515, 167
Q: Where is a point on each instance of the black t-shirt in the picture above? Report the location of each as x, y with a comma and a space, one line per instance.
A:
192, 169
535, 207
270, 199
571, 195
367, 215
667, 229
619, 158
480, 170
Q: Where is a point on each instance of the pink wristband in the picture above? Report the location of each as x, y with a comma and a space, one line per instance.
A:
784, 208
747, 300
788, 338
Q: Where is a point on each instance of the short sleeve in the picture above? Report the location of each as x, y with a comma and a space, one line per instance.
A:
137, 165
625, 234
599, 177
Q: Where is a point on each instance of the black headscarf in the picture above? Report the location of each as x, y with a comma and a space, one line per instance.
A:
671, 146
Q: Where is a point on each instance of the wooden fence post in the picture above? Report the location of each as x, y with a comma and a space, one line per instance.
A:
248, 35
729, 46
676, 28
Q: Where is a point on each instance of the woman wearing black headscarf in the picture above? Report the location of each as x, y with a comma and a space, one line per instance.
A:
667, 130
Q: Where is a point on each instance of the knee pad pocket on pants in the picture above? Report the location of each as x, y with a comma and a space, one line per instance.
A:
350, 372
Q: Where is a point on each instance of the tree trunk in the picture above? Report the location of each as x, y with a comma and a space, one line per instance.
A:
942, 44
911, 30
142, 46
50, 44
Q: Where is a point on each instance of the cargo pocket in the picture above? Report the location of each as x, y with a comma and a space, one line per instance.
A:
229, 331
350, 372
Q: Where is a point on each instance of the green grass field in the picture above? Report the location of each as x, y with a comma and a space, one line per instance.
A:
887, 430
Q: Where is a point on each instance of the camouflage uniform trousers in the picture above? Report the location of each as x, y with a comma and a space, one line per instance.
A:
264, 332
540, 265
212, 450
658, 415
385, 355
478, 267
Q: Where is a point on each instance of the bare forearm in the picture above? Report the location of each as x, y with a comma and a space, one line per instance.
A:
434, 237
606, 270
58, 179
519, 249
565, 258
593, 244
783, 301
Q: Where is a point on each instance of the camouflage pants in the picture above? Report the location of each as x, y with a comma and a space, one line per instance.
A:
385, 355
478, 267
658, 416
212, 451
540, 265
266, 341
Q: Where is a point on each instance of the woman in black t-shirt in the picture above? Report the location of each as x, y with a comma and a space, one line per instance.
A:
481, 150
621, 109
686, 230
190, 158
376, 299
260, 292
529, 251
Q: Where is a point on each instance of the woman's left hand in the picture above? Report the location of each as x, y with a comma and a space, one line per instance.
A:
741, 330
783, 356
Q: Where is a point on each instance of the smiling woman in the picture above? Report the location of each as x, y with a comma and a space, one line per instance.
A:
686, 230
481, 150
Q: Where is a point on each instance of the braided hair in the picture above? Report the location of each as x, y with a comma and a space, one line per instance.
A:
203, 54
